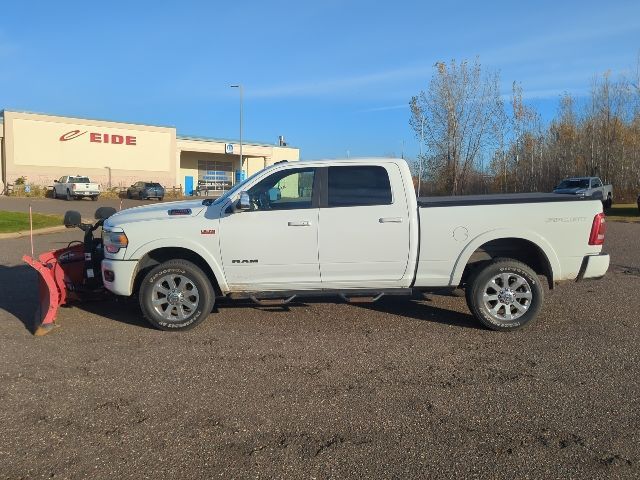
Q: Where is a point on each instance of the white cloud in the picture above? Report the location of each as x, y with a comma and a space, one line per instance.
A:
330, 86
385, 108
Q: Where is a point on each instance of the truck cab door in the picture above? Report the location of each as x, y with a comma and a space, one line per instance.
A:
364, 236
60, 187
274, 246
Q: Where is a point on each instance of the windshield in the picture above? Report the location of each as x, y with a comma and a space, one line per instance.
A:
576, 183
152, 185
236, 188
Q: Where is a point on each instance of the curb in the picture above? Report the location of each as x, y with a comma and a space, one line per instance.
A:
26, 233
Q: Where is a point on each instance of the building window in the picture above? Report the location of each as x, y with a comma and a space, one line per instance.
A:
214, 175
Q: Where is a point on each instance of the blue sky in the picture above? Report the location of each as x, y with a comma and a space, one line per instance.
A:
332, 76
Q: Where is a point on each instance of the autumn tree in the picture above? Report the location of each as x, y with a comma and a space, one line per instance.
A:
456, 116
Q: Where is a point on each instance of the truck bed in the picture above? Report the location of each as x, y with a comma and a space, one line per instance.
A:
494, 199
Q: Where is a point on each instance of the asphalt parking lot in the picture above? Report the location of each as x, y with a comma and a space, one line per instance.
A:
400, 388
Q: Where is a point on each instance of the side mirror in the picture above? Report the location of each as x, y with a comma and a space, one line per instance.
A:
104, 212
56, 181
72, 219
245, 202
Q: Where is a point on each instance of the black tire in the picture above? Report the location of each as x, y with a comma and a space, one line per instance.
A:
140, 196
94, 198
526, 309
160, 199
68, 197
129, 196
163, 318
54, 195
608, 202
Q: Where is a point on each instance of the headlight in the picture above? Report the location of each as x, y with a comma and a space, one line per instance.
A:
114, 241
580, 193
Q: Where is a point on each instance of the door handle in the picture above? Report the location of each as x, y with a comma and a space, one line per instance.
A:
300, 223
390, 220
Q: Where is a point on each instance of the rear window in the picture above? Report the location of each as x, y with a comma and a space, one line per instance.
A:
359, 186
79, 180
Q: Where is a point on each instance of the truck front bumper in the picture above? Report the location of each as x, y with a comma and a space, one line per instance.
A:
118, 276
593, 267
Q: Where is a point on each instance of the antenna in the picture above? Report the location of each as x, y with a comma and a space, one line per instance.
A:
31, 229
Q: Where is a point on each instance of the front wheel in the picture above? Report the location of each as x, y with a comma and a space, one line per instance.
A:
94, 198
504, 294
176, 295
69, 197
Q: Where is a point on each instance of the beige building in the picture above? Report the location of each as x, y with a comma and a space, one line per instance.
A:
46, 147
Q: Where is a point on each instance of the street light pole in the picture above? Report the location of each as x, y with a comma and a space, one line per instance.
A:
239, 87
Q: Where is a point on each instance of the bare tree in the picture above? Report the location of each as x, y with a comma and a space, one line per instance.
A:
458, 112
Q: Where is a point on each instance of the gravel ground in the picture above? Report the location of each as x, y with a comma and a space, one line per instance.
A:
401, 388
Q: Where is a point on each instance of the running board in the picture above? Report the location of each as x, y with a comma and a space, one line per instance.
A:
361, 298
279, 298
271, 302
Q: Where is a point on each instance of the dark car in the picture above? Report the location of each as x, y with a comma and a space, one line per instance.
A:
144, 190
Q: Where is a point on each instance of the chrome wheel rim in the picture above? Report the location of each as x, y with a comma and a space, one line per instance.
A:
507, 296
175, 297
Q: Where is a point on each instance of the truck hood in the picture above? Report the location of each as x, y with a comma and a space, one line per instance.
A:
570, 191
159, 211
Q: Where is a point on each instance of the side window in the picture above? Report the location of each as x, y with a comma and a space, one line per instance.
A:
596, 183
290, 189
63, 179
359, 186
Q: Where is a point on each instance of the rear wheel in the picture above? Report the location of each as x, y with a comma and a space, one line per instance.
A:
504, 294
176, 295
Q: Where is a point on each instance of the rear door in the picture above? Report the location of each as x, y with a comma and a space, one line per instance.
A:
364, 227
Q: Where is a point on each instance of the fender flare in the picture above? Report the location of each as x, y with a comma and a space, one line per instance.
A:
187, 245
501, 233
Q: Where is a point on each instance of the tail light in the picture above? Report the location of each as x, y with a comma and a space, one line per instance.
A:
598, 230
73, 186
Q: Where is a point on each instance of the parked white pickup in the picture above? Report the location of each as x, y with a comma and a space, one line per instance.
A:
352, 228
70, 187
587, 187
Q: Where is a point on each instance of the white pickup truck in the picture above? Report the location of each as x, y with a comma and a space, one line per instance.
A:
70, 187
586, 187
352, 228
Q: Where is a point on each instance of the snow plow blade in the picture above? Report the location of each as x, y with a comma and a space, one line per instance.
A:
56, 270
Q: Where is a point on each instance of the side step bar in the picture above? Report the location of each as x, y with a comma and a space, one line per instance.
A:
271, 299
